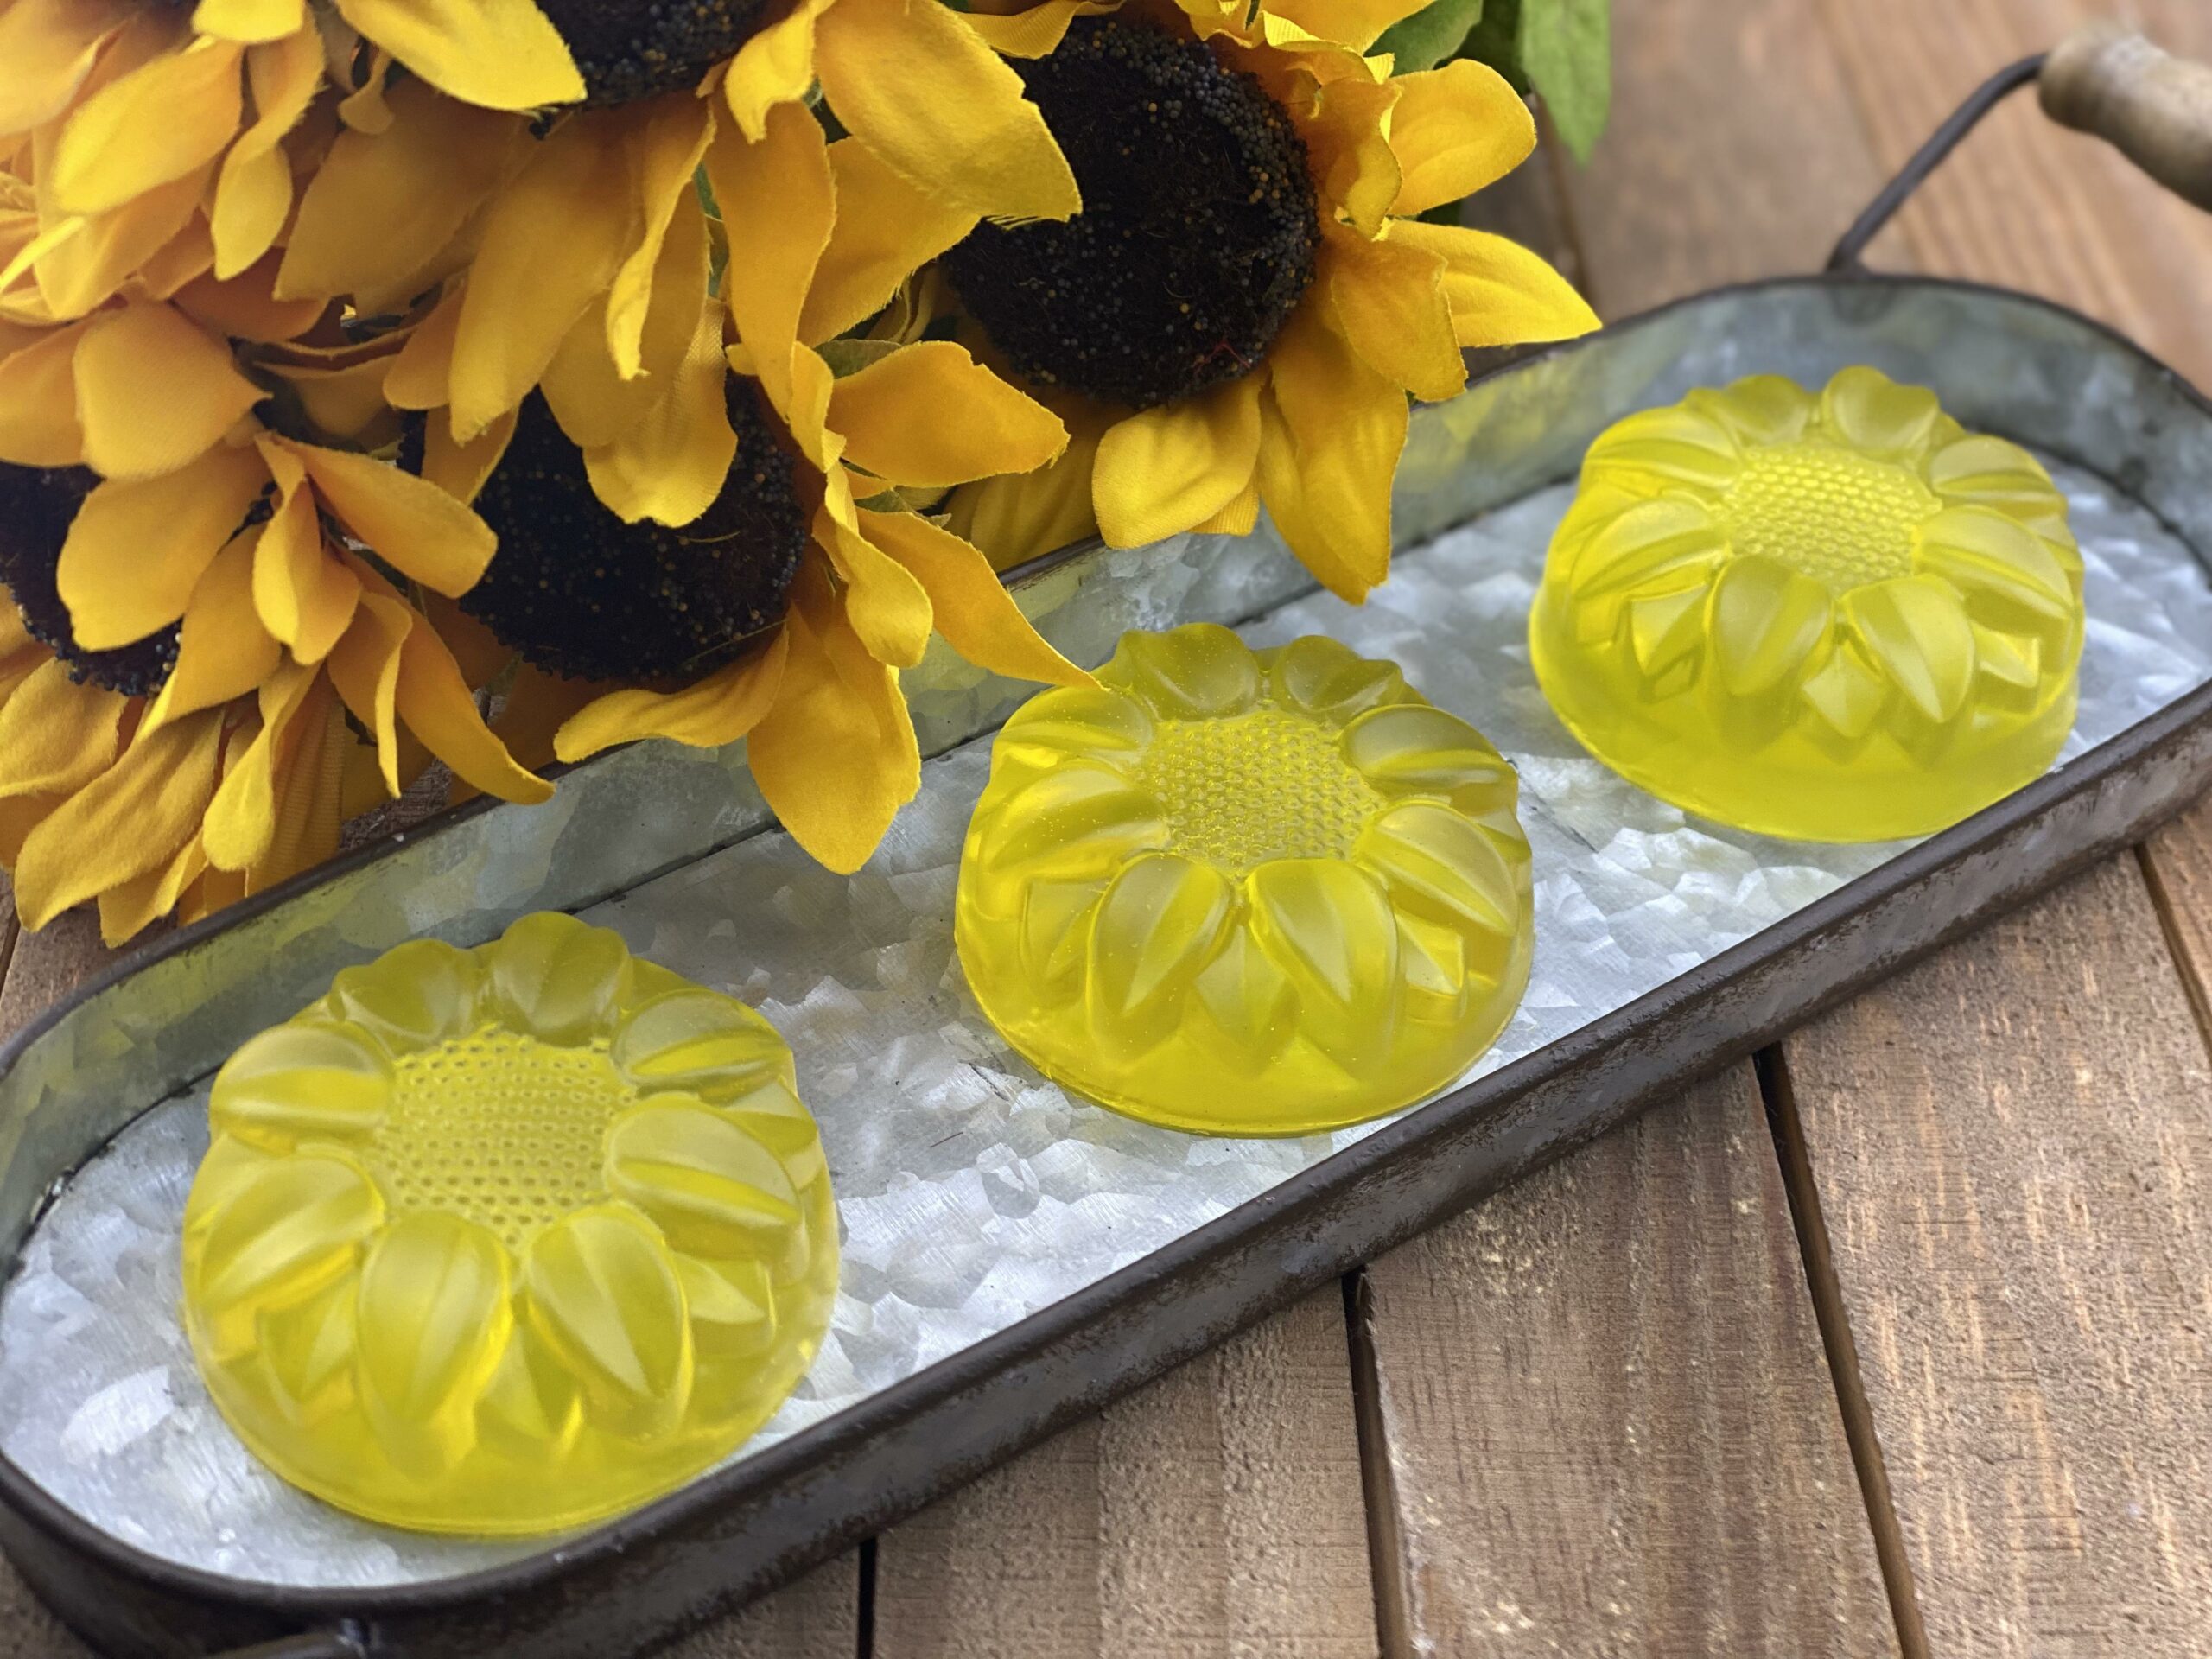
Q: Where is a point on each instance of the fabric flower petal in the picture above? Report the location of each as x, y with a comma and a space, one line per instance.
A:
154, 390
1357, 23
130, 819
364, 669
1456, 129
503, 55
223, 650
158, 123
38, 401
886, 604
1500, 293
1391, 303
56, 736
552, 240
886, 229
885, 413
776, 65
969, 605
1170, 468
253, 190
669, 148
835, 758
50, 47
410, 523
671, 465
976, 141
718, 710
782, 188
1332, 431
138, 547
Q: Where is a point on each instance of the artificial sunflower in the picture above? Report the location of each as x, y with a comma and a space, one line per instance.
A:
577, 257
150, 141
199, 602
783, 611
1250, 296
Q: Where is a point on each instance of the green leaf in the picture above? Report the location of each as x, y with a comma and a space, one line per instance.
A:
1496, 39
1430, 36
1567, 49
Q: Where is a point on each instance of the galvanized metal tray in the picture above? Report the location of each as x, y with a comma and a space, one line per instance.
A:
645, 821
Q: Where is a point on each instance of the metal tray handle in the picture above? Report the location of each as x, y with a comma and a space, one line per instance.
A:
2154, 108
2104, 77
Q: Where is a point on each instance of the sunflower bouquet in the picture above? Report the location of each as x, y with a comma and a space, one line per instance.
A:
399, 391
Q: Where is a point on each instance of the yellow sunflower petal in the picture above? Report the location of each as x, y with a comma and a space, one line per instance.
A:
835, 757
154, 390
161, 122
1500, 293
1390, 304
381, 206
552, 239
84, 269
302, 593
253, 190
504, 54
1166, 470
242, 818
1766, 622
409, 522
1348, 150
130, 907
459, 469
364, 669
584, 385
138, 548
434, 701
38, 402
1357, 23
49, 47
1330, 439
669, 149
421, 375
775, 66
886, 604
1916, 628
1037, 31
781, 187
969, 605
719, 709
1024, 515
345, 402
56, 736
671, 465
252, 20
1454, 131
1240, 517
130, 819
893, 414
244, 305
224, 650
975, 141
886, 229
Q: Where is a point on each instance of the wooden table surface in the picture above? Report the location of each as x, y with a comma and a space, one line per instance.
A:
1897, 1341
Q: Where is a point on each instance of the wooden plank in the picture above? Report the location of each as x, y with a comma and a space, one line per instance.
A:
2016, 1171
1606, 1424
1735, 151
1217, 1511
817, 1617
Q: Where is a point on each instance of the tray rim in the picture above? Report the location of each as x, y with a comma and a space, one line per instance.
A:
755, 1477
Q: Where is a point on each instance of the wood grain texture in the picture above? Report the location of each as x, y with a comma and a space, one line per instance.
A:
1606, 1424
1217, 1512
2015, 1167
1735, 151
817, 1617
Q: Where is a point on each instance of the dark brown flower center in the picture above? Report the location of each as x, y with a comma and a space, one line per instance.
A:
626, 50
1197, 232
37, 506
578, 592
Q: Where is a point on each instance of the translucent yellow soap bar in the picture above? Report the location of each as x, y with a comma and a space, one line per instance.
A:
1832, 618
1249, 892
507, 1240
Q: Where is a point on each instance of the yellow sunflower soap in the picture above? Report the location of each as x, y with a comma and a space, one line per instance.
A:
510, 1239
1832, 617
1247, 893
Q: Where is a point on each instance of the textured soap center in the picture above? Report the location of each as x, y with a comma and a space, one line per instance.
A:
501, 1128
1843, 519
1253, 787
